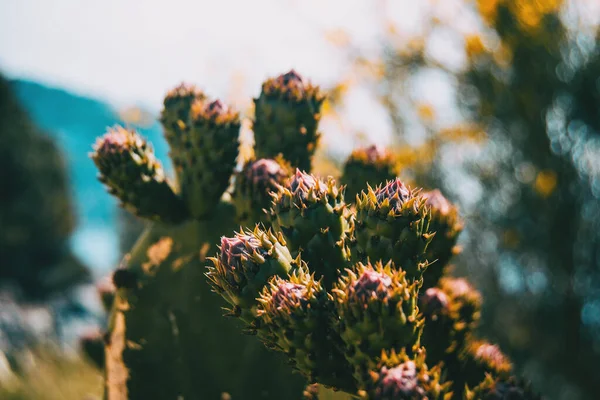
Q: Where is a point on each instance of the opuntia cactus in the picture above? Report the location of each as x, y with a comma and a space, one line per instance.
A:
355, 295
355, 314
166, 338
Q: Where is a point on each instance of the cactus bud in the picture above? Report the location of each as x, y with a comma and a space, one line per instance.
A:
315, 221
311, 392
447, 225
371, 165
502, 389
294, 316
244, 265
392, 224
399, 377
451, 312
377, 310
287, 114
176, 113
131, 172
480, 358
434, 303
253, 188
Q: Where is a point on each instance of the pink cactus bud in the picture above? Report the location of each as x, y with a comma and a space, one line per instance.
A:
491, 354
291, 78
302, 183
374, 153
400, 382
434, 302
264, 170
234, 248
395, 191
459, 287
288, 292
216, 108
372, 284
436, 200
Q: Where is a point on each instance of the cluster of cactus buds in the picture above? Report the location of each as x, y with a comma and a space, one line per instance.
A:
353, 313
347, 282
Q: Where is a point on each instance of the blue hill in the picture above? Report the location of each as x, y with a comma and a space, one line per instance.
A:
75, 122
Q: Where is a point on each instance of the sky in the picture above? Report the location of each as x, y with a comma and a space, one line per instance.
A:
131, 51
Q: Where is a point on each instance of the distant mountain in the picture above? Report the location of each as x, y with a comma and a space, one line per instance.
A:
75, 122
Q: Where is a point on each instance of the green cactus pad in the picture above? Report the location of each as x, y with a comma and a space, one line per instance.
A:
295, 317
447, 225
175, 119
451, 311
392, 223
132, 174
287, 114
244, 265
208, 155
315, 221
371, 165
501, 389
376, 309
168, 338
253, 188
400, 377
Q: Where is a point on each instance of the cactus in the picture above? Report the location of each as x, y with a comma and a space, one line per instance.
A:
355, 314
355, 297
166, 338
371, 166
287, 115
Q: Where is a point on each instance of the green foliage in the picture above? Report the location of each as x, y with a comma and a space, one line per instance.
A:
36, 213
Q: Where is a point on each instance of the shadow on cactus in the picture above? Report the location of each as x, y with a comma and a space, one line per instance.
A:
354, 294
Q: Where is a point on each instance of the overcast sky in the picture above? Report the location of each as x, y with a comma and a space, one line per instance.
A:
132, 51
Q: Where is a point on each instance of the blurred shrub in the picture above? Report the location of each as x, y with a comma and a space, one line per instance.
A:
36, 213
525, 106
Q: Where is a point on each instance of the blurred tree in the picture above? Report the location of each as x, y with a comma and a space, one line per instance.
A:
36, 216
529, 77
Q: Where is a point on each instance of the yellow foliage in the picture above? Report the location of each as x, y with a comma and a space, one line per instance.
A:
488, 9
51, 376
426, 112
338, 37
136, 116
461, 133
503, 56
529, 13
474, 46
545, 183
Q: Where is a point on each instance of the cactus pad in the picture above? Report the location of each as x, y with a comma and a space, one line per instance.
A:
392, 223
130, 170
287, 113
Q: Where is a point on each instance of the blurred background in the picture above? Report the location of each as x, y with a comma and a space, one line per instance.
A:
495, 102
